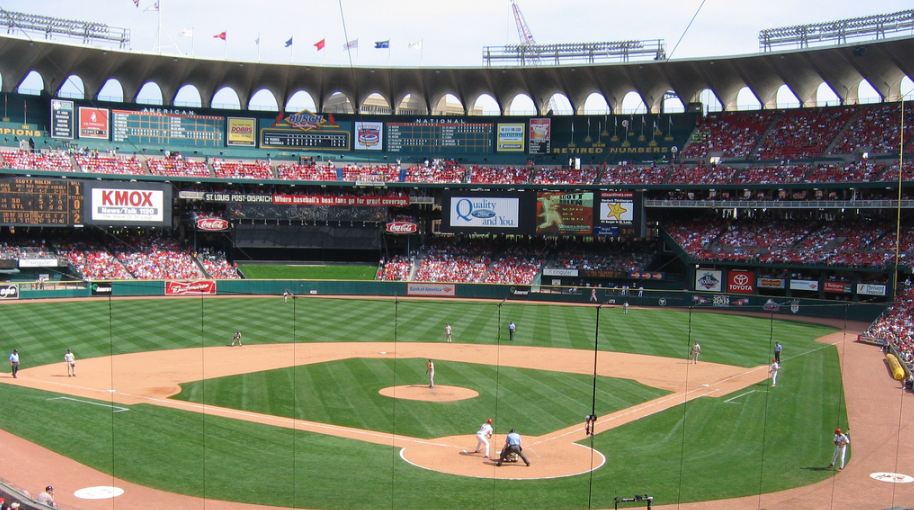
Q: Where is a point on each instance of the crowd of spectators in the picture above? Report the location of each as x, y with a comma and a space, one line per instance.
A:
47, 160
727, 134
242, 169
896, 325
216, 264
371, 173
397, 268
310, 171
875, 130
626, 257
803, 133
176, 165
95, 162
154, 257
93, 261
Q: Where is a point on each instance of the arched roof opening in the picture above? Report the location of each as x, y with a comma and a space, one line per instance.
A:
746, 100
559, 104
485, 104
449, 104
263, 101
786, 98
150, 93
825, 96
32, 84
907, 88
595, 104
375, 103
112, 91
709, 101
413, 104
522, 104
672, 103
226, 99
866, 93
632, 103
72, 87
338, 103
301, 101
188, 96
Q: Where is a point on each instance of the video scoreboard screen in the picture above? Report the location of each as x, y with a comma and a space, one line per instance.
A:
154, 128
26, 201
294, 139
441, 137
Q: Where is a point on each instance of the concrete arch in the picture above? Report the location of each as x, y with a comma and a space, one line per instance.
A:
825, 96
188, 96
559, 104
484, 104
338, 102
301, 100
447, 102
412, 103
786, 98
747, 100
112, 90
521, 104
72, 87
226, 98
867, 93
264, 101
907, 88
32, 84
632, 102
594, 103
150, 93
671, 103
375, 103
710, 102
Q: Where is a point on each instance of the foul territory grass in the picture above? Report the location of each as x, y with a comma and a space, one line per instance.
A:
304, 272
763, 441
346, 393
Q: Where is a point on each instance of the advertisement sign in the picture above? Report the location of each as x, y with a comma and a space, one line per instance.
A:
240, 132
430, 289
212, 224
645, 275
740, 281
192, 288
401, 227
837, 287
45, 262
812, 285
620, 209
94, 123
389, 200
540, 139
305, 131
564, 213
708, 280
127, 203
485, 212
510, 138
9, 291
770, 283
560, 272
369, 136
101, 288
62, 119
869, 289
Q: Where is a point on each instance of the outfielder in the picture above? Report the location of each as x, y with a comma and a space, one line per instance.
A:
483, 436
695, 352
773, 370
285, 296
448, 331
236, 338
841, 441
70, 361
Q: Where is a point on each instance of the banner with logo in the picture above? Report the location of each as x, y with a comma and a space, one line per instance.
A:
837, 287
708, 280
62, 118
241, 132
740, 281
573, 273
430, 289
510, 138
128, 204
101, 288
401, 227
9, 291
369, 136
540, 136
811, 285
484, 212
43, 262
94, 123
869, 289
771, 283
190, 288
212, 224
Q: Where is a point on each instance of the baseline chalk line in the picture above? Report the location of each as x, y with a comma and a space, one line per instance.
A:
740, 395
117, 409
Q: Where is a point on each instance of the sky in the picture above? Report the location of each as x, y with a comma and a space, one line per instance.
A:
444, 34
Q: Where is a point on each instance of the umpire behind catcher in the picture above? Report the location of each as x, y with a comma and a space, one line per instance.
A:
512, 445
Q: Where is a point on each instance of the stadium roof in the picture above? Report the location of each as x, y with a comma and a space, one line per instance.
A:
882, 63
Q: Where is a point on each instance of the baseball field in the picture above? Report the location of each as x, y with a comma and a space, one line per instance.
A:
296, 417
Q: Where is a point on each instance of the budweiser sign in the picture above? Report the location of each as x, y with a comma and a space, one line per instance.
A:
740, 282
212, 224
401, 227
198, 287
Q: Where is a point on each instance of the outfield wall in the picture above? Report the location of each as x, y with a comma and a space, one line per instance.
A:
865, 312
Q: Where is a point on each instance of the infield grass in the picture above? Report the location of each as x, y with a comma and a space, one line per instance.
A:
307, 272
767, 440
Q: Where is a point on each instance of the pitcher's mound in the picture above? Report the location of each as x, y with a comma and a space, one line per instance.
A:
423, 392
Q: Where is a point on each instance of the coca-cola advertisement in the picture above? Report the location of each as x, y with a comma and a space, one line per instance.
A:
740, 282
212, 224
401, 227
192, 288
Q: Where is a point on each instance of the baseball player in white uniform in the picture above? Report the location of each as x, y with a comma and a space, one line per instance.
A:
773, 370
841, 441
483, 436
430, 372
448, 331
70, 360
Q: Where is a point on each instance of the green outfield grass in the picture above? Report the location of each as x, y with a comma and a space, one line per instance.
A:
303, 272
534, 401
705, 449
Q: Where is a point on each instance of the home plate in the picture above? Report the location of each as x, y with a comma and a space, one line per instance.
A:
382, 353
99, 492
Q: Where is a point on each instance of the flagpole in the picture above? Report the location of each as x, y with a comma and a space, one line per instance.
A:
193, 34
258, 46
158, 5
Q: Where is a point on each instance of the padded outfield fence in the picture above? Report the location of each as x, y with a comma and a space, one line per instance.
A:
327, 404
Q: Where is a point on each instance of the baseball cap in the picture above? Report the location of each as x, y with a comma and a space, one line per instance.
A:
837, 431
49, 488
489, 420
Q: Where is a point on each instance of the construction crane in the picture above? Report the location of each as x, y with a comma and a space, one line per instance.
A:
527, 42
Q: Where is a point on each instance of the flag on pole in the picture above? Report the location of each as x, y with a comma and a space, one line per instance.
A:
136, 3
187, 32
154, 7
382, 44
320, 44
221, 35
289, 42
416, 45
257, 41
351, 45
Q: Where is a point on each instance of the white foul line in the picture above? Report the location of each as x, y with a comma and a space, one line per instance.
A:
117, 409
740, 395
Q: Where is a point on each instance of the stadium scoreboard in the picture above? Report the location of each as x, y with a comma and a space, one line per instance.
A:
431, 137
26, 201
158, 128
297, 139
